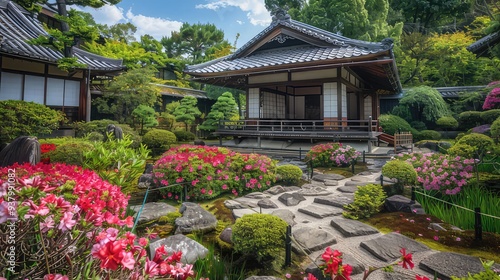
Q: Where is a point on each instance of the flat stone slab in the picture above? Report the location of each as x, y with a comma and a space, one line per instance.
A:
347, 189
324, 177
311, 239
399, 203
256, 195
238, 213
320, 212
267, 203
291, 199
331, 183
365, 173
240, 203
337, 201
281, 189
357, 184
350, 228
248, 203
286, 215
313, 190
358, 178
191, 250
444, 265
152, 211
388, 247
194, 218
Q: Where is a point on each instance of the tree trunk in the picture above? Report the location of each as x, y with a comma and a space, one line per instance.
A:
61, 8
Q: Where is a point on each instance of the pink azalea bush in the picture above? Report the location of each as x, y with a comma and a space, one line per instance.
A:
440, 172
65, 222
492, 100
332, 155
208, 172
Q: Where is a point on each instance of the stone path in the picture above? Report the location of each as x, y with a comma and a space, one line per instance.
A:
315, 213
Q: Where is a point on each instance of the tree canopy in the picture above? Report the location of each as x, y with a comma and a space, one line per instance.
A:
187, 112
224, 109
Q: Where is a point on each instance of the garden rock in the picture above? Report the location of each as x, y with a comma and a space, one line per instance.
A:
399, 203
441, 227
357, 267
324, 177
145, 181
256, 195
311, 239
191, 250
152, 211
313, 190
266, 203
330, 183
246, 202
347, 189
358, 184
291, 199
23, 149
445, 265
281, 189
226, 235
286, 215
320, 212
350, 228
388, 247
194, 218
337, 201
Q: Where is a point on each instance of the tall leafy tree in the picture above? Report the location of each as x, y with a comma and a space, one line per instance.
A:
187, 111
144, 116
224, 109
193, 41
123, 32
127, 91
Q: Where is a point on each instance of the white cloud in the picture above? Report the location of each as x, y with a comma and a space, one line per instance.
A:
240, 22
156, 27
256, 10
108, 14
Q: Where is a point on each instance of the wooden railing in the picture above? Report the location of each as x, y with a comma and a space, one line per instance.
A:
299, 125
403, 139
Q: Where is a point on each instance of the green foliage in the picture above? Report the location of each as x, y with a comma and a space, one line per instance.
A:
184, 136
259, 235
224, 109
495, 129
331, 155
490, 116
401, 170
391, 124
418, 125
70, 153
447, 122
462, 150
116, 162
84, 128
170, 218
213, 266
427, 135
480, 142
21, 118
94, 136
187, 112
469, 119
368, 200
424, 104
487, 274
127, 91
289, 174
159, 140
145, 116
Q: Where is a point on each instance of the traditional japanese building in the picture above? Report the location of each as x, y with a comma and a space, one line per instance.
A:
29, 72
305, 82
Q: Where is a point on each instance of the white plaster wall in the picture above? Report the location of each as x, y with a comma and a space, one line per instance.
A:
253, 103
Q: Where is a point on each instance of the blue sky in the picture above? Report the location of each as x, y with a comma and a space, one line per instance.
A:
160, 17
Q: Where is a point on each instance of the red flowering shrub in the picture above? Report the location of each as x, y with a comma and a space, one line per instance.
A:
332, 155
210, 171
492, 101
45, 148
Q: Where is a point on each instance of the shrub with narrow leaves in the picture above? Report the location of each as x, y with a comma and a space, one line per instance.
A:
368, 200
289, 174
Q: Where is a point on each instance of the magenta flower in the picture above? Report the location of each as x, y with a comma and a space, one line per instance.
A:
66, 222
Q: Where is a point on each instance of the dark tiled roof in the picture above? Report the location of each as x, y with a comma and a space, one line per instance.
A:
482, 45
333, 46
17, 26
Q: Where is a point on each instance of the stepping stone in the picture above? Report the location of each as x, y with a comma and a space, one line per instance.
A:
238, 213
311, 239
281, 189
387, 247
256, 195
233, 204
365, 173
291, 199
267, 203
357, 184
324, 177
444, 265
350, 228
347, 189
357, 267
331, 183
399, 203
313, 190
361, 179
194, 218
337, 201
320, 212
152, 211
286, 215
246, 202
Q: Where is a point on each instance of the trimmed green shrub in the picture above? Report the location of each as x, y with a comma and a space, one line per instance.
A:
490, 116
469, 119
368, 200
462, 150
401, 170
481, 142
158, 140
434, 145
289, 174
72, 153
184, 136
21, 118
391, 124
495, 129
94, 136
84, 128
447, 122
427, 135
487, 274
418, 125
259, 235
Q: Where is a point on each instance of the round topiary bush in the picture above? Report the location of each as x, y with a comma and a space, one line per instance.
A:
490, 116
72, 153
401, 170
391, 124
495, 129
418, 125
184, 136
462, 150
259, 235
469, 119
481, 142
158, 140
427, 135
368, 200
289, 174
447, 122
